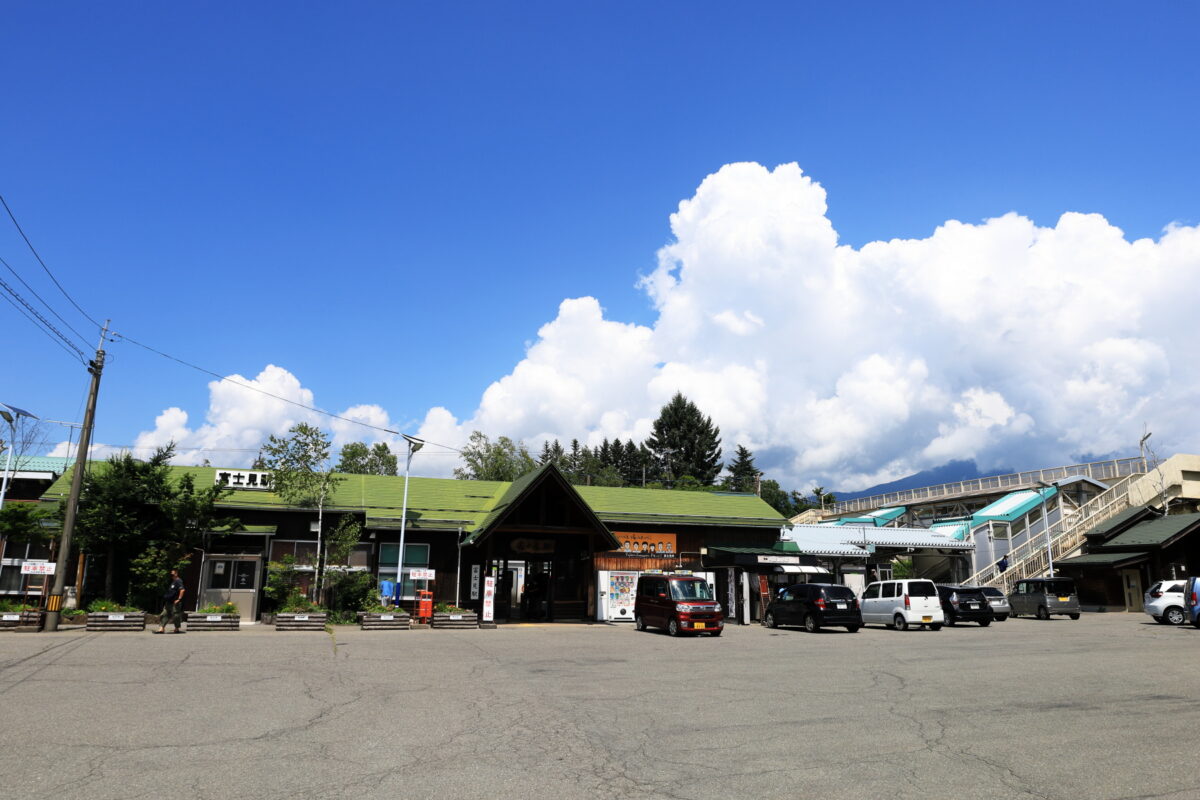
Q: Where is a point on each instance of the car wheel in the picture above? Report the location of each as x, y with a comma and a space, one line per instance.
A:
950, 621
936, 626
673, 628
770, 620
1042, 613
1073, 616
639, 623
1001, 618
715, 633
983, 623
810, 623
1173, 616
852, 628
900, 623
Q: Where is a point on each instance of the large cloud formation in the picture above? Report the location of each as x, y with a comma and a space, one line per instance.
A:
1002, 342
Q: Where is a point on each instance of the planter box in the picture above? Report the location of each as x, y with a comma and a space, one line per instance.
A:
385, 621
468, 619
116, 621
13, 620
212, 622
301, 622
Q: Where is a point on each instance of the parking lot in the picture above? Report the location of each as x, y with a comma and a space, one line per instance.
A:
1098, 708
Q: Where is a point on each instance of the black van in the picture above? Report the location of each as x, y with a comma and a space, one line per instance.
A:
815, 605
965, 604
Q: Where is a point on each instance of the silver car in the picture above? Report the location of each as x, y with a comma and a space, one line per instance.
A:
1042, 597
1164, 602
1000, 607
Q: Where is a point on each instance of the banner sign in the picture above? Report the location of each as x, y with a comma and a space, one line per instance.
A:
475, 576
37, 567
779, 559
422, 574
489, 599
243, 479
646, 544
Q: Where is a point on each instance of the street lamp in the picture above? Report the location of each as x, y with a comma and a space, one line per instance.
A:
10, 414
414, 444
1046, 526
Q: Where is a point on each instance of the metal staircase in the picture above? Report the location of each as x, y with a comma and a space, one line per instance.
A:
1028, 560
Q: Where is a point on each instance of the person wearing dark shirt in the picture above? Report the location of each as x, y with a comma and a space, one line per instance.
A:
1002, 564
172, 604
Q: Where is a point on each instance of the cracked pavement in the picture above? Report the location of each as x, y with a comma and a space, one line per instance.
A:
1098, 708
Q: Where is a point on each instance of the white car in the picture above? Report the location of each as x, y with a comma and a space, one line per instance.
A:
899, 604
1164, 602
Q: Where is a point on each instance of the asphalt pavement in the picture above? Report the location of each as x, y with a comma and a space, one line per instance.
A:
1102, 707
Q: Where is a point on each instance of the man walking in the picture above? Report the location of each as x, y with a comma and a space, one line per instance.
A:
172, 604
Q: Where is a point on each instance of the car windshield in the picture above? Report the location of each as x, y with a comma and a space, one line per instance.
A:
690, 590
922, 589
839, 593
1060, 586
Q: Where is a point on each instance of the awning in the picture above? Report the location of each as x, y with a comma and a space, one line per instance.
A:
794, 570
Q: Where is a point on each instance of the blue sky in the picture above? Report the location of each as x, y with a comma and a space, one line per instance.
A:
390, 200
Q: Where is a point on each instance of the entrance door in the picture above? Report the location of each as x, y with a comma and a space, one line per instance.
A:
1131, 581
232, 579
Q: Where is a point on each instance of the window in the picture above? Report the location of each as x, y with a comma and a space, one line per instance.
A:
921, 589
889, 589
872, 592
415, 555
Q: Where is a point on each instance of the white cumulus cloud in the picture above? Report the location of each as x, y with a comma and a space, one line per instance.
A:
999, 340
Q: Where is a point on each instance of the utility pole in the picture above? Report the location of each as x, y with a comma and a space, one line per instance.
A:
54, 601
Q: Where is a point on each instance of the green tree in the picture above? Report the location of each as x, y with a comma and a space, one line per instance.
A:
685, 442
302, 475
789, 504
502, 460
743, 474
358, 459
134, 513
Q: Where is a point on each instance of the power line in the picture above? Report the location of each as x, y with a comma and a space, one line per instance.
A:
221, 377
33, 250
43, 320
39, 297
45, 332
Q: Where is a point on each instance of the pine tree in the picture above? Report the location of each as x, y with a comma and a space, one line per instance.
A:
685, 442
742, 472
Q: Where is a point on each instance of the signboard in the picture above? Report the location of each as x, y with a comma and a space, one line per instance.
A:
387, 617
489, 599
37, 567
533, 546
11, 617
213, 617
421, 574
243, 479
779, 559
646, 544
476, 573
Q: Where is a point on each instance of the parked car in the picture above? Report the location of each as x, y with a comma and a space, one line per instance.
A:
964, 604
814, 606
679, 603
1042, 597
1191, 600
1164, 602
899, 604
1000, 607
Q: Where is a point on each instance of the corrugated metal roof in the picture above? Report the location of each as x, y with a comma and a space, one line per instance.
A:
822, 540
1155, 532
902, 537
1013, 506
954, 530
55, 464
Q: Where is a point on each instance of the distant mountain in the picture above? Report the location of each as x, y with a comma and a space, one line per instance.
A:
947, 473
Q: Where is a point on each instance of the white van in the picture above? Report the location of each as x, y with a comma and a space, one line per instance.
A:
898, 604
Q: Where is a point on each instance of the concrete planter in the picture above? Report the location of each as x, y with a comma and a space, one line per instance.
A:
385, 621
197, 621
311, 621
116, 621
467, 619
20, 620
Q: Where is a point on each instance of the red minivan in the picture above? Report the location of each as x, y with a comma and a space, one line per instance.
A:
679, 603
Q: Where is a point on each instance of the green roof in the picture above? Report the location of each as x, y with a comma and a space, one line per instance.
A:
55, 464
1100, 559
449, 504
1119, 521
1155, 532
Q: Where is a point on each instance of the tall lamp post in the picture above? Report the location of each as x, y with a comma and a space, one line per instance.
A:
414, 444
1046, 525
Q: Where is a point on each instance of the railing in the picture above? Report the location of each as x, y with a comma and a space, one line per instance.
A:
1099, 470
1066, 535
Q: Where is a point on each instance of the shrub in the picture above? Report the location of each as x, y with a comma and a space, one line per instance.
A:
379, 608
223, 608
299, 604
103, 605
446, 608
9, 606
